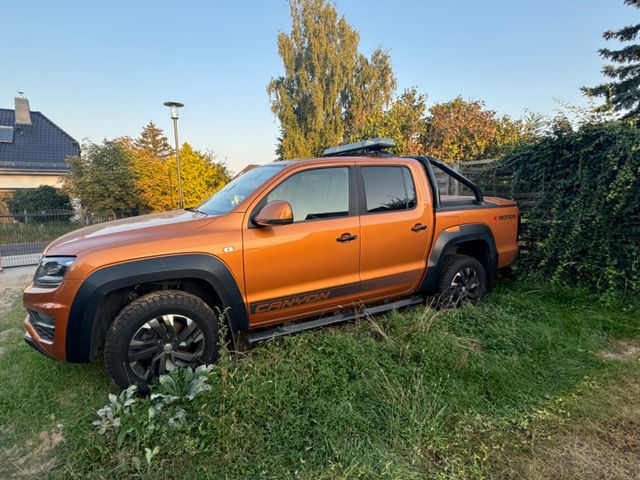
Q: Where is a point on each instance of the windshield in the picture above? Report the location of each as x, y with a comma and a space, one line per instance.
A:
234, 192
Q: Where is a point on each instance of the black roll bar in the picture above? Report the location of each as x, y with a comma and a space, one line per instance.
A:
428, 161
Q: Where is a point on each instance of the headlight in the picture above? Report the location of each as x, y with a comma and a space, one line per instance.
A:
51, 270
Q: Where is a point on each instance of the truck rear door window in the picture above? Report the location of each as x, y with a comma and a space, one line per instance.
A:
388, 189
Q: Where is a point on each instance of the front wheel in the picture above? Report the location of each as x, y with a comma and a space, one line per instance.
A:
157, 333
463, 278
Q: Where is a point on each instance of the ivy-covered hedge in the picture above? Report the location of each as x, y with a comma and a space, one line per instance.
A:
584, 227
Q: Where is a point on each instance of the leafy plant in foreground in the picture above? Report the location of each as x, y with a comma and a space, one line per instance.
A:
128, 415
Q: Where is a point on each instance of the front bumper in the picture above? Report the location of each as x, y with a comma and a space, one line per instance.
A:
31, 342
46, 322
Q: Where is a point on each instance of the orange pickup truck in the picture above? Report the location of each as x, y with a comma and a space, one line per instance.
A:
285, 247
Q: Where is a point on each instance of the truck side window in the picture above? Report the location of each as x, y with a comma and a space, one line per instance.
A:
315, 194
388, 189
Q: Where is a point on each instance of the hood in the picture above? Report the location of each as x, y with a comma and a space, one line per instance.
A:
126, 230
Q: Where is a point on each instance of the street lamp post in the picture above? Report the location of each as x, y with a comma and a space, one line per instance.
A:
174, 106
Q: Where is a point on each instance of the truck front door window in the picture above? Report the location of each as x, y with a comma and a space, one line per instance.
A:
315, 194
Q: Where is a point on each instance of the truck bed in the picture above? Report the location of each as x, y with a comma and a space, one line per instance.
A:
468, 201
457, 201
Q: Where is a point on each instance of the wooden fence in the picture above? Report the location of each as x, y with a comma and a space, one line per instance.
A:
494, 182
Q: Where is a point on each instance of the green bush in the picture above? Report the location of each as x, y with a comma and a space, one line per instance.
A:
583, 228
44, 203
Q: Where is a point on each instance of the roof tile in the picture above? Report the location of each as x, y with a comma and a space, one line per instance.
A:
39, 146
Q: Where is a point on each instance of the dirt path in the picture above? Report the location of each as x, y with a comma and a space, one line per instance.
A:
600, 439
12, 281
623, 350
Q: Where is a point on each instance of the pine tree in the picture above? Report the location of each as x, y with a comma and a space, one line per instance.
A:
328, 89
153, 142
623, 92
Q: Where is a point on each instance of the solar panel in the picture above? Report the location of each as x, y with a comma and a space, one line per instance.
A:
6, 134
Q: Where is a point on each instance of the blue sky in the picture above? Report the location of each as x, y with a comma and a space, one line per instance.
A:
103, 69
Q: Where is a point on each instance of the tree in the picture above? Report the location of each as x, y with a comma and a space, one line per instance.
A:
404, 122
370, 92
622, 94
44, 199
157, 180
103, 178
4, 208
464, 130
153, 142
150, 152
202, 176
328, 89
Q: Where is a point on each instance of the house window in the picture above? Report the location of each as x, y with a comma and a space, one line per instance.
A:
6, 134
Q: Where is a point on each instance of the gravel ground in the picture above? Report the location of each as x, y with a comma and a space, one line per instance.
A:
12, 282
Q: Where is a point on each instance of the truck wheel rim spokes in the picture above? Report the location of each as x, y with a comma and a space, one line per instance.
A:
466, 284
163, 344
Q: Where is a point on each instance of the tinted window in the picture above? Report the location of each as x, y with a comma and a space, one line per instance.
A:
388, 189
409, 188
313, 194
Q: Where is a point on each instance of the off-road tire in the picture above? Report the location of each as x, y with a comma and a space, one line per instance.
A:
145, 309
457, 265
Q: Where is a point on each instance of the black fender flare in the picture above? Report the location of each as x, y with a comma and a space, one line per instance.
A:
128, 274
449, 239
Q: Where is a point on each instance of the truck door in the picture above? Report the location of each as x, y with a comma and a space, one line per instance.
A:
311, 264
396, 227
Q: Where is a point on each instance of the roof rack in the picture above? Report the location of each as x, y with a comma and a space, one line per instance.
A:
360, 148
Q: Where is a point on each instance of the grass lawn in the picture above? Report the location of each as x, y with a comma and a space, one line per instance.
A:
536, 382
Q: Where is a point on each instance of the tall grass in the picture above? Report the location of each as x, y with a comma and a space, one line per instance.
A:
412, 394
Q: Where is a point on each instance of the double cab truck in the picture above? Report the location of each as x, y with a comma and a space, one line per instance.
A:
285, 247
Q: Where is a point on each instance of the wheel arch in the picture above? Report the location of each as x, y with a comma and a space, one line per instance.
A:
475, 240
100, 297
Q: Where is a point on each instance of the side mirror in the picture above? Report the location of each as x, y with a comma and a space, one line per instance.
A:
273, 213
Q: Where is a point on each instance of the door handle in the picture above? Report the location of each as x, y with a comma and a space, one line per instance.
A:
418, 227
346, 237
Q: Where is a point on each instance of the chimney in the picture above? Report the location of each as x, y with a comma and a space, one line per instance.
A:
23, 115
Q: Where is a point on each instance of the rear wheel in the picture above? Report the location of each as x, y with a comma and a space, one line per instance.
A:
463, 278
157, 333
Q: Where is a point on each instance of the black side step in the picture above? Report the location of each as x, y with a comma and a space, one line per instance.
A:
282, 330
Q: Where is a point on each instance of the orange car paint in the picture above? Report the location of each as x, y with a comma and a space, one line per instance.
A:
284, 272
